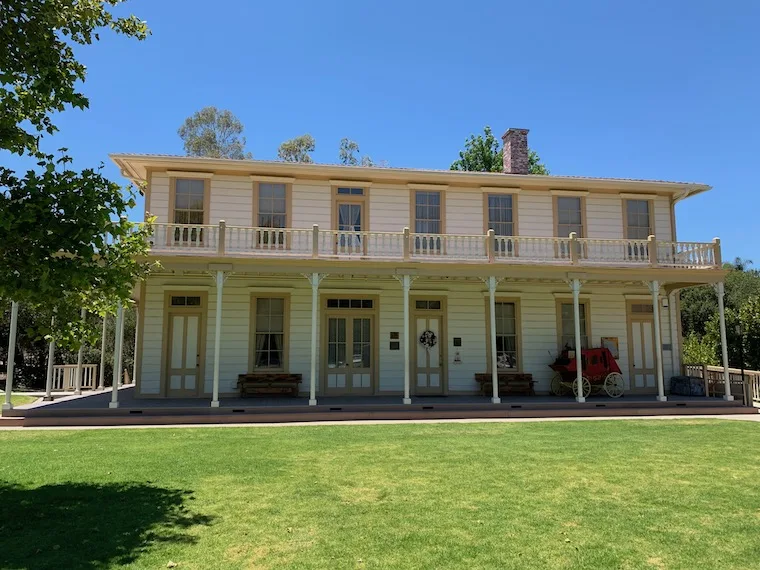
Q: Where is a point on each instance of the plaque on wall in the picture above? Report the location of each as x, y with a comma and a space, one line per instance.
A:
394, 335
395, 345
611, 342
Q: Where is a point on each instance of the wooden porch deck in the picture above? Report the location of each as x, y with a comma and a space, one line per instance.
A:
92, 409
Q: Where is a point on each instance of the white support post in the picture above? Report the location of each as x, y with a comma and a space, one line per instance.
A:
575, 285
654, 288
11, 356
50, 365
80, 361
136, 348
406, 282
217, 337
117, 353
492, 283
721, 290
314, 279
102, 378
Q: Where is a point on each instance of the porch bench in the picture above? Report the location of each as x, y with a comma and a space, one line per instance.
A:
267, 384
509, 383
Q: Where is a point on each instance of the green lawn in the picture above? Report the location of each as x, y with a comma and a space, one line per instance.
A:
21, 399
603, 494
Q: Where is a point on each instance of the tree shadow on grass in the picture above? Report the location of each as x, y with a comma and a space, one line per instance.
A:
86, 526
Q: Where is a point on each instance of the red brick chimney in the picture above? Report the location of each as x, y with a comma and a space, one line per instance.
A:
515, 151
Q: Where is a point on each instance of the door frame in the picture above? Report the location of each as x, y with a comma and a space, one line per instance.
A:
165, 346
630, 317
442, 341
325, 314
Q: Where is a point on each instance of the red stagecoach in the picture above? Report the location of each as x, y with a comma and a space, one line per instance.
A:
600, 373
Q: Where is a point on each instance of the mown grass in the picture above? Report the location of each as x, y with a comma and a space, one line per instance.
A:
22, 399
605, 494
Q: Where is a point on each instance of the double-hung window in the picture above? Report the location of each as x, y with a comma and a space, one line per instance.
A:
189, 209
506, 336
638, 220
567, 325
269, 335
501, 220
272, 213
427, 221
569, 220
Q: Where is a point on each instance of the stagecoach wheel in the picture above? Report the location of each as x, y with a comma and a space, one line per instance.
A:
614, 385
585, 384
556, 385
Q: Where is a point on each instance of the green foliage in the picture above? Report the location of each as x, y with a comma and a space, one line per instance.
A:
749, 317
699, 350
347, 154
297, 149
484, 153
214, 133
38, 68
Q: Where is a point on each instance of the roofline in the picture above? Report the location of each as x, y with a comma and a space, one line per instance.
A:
135, 166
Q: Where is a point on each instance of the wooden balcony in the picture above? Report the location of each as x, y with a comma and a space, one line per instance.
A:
315, 243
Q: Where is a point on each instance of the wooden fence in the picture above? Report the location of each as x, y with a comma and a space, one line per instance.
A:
65, 377
747, 390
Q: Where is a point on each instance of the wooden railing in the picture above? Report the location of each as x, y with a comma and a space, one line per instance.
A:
65, 377
241, 241
748, 389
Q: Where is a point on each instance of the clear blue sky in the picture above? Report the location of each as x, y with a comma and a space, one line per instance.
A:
653, 89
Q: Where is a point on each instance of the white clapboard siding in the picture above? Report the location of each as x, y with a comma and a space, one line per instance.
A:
662, 225
159, 197
231, 200
535, 214
391, 205
604, 216
464, 212
312, 204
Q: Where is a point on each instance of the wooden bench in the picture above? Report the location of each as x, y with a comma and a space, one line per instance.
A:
267, 384
509, 383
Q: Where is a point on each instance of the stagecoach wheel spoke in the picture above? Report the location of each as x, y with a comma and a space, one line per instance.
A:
586, 386
614, 385
556, 385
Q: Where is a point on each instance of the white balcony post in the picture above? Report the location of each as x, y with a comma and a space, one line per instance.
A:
575, 285
102, 377
117, 353
654, 288
217, 337
406, 282
80, 361
721, 290
50, 367
492, 283
11, 356
314, 279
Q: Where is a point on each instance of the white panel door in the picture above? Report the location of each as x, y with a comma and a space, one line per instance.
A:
429, 360
643, 363
184, 355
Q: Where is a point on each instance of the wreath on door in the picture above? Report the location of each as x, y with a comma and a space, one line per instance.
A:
428, 339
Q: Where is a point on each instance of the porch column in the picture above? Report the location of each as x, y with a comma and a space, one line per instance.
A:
11, 356
102, 378
575, 285
406, 283
654, 288
80, 356
675, 348
217, 337
492, 283
118, 338
50, 366
721, 290
314, 279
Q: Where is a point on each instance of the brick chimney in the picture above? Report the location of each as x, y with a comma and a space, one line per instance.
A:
515, 151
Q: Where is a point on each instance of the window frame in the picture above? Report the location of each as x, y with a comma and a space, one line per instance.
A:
586, 302
650, 206
518, 334
288, 201
252, 369
206, 196
413, 210
486, 211
555, 208
362, 199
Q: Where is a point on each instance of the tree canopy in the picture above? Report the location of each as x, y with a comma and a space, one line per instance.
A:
347, 152
60, 248
214, 133
484, 153
297, 149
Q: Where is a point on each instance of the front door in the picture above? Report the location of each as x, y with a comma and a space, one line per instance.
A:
429, 348
350, 225
184, 360
641, 348
349, 355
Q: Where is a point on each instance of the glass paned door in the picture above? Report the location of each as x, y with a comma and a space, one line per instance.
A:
349, 355
184, 359
350, 226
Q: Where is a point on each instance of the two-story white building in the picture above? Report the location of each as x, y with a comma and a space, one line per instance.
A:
396, 281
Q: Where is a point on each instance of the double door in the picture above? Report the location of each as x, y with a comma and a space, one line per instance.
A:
429, 353
350, 356
643, 374
184, 358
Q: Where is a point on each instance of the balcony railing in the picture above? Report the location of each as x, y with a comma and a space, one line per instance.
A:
316, 243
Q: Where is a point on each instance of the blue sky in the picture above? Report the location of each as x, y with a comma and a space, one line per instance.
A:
650, 89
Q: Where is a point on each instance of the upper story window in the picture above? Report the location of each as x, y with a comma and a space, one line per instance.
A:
272, 206
501, 214
427, 212
189, 201
637, 219
569, 216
